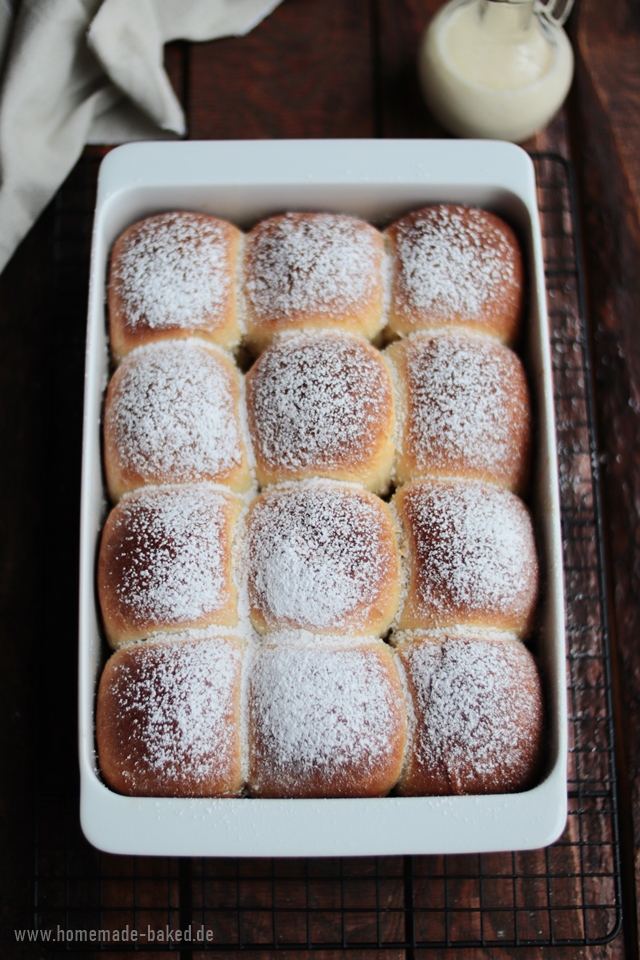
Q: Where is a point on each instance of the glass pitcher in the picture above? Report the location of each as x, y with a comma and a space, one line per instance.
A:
496, 68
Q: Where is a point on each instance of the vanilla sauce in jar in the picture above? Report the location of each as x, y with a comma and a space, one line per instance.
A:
497, 69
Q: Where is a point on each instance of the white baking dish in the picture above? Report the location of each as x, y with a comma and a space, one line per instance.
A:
378, 180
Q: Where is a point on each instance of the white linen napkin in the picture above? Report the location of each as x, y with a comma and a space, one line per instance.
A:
85, 71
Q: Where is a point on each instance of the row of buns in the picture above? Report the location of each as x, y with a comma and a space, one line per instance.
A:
319, 405
217, 717
320, 555
183, 274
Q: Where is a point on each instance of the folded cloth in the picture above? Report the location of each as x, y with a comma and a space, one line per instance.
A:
82, 71
6, 22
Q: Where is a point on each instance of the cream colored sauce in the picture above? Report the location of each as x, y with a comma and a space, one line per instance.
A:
493, 70
499, 46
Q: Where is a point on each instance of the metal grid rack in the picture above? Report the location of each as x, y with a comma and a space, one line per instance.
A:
568, 894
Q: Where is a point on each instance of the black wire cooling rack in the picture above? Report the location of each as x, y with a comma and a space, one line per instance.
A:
568, 894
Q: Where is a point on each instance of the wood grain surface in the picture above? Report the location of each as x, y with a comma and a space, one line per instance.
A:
606, 107
306, 71
24, 385
314, 68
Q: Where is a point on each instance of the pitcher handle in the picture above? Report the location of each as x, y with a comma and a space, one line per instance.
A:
555, 11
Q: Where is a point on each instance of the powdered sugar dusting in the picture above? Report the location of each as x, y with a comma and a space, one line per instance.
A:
317, 401
299, 265
170, 559
474, 549
174, 414
320, 713
474, 700
174, 271
320, 556
463, 403
176, 701
446, 265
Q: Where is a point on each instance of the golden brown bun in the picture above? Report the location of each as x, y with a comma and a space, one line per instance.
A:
321, 404
165, 561
312, 270
172, 416
168, 718
325, 721
478, 716
455, 265
322, 556
470, 557
463, 409
173, 276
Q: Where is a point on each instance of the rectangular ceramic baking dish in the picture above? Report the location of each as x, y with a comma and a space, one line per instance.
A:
378, 180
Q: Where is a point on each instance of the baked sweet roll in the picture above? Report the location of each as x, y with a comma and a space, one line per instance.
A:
455, 265
470, 557
168, 718
463, 409
321, 405
174, 275
312, 270
166, 560
325, 720
477, 716
322, 556
172, 415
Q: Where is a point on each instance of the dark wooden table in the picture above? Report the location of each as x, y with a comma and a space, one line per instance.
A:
315, 68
